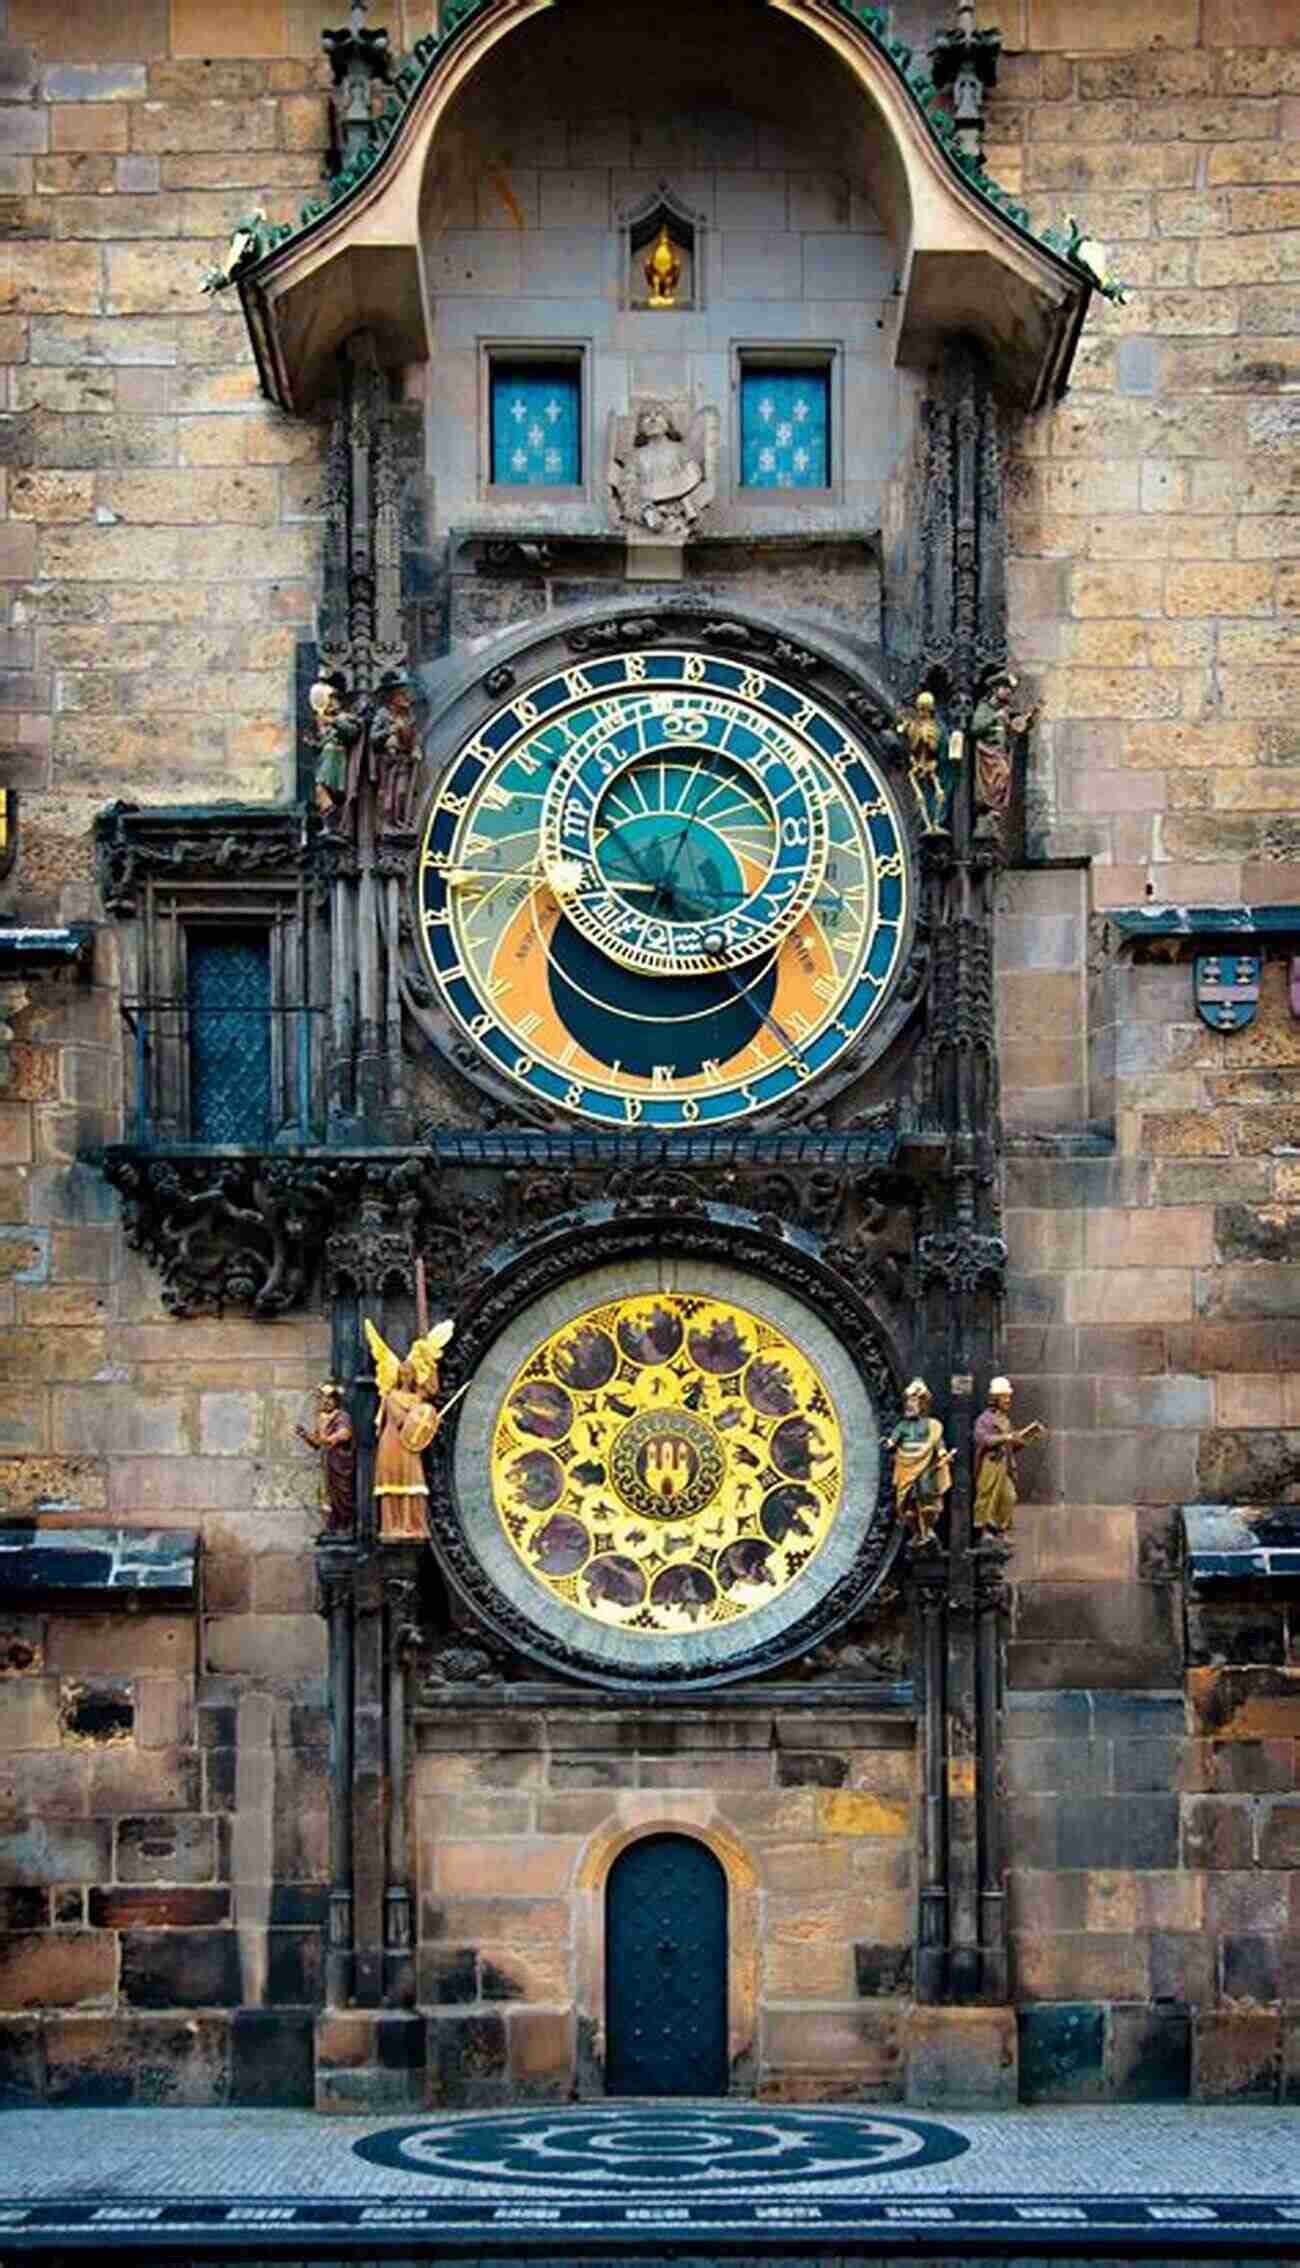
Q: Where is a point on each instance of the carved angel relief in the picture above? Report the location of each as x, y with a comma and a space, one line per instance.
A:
663, 467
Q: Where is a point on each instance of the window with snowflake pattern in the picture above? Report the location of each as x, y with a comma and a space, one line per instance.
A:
785, 427
536, 413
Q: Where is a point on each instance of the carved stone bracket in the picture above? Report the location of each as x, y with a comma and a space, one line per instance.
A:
133, 847
224, 1234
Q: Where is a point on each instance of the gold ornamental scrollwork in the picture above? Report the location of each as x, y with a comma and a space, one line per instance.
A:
667, 1463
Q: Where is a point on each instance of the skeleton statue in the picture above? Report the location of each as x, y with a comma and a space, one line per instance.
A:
929, 772
663, 467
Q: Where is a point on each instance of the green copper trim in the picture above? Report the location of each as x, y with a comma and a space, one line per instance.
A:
257, 238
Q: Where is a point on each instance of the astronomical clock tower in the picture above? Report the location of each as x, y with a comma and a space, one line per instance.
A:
630, 1103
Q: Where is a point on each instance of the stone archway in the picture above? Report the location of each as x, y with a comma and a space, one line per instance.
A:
688, 1816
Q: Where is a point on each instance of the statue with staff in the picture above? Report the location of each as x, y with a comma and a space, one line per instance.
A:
407, 1422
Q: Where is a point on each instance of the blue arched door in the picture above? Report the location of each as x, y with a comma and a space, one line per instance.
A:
666, 1970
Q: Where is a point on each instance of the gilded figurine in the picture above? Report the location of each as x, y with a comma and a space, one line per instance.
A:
663, 467
394, 754
406, 1421
999, 734
662, 271
338, 730
335, 1441
921, 733
996, 1443
922, 1464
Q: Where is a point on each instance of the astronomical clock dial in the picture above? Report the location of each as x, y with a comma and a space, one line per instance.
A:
667, 1463
663, 889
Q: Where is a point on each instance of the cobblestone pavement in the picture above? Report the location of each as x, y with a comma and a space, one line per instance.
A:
652, 2178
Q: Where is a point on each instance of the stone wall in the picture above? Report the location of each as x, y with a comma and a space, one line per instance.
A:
159, 547
817, 1805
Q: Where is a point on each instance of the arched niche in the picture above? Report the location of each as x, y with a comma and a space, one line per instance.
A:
963, 267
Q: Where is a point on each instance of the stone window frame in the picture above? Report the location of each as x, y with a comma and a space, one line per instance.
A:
826, 355
170, 913
497, 349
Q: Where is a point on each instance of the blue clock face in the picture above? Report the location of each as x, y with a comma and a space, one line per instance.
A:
663, 889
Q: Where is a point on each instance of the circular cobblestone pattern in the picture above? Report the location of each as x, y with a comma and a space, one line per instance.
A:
616, 2151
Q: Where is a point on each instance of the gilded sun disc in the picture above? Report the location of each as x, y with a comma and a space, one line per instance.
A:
667, 1462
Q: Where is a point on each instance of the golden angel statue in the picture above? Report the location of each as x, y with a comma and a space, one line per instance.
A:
407, 1420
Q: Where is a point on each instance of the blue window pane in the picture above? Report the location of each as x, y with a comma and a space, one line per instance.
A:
785, 429
229, 1001
536, 425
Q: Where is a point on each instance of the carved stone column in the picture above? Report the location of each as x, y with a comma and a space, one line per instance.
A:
401, 1637
336, 1568
990, 1604
929, 1592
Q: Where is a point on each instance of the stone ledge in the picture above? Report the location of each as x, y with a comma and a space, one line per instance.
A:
69, 1563
1241, 1543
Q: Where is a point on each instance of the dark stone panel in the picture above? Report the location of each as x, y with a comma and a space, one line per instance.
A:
1143, 1765
1159, 1544
167, 1847
1279, 1840
1231, 1632
102, 2061
295, 1976
22, 2063
24, 1909
1134, 1350
401, 2042
882, 1971
1272, 1696
1241, 1767
216, 1726
1182, 1966
1237, 2057
1217, 1832
449, 1975
1043, 1766
1249, 1467
1046, 1664
799, 1769
466, 2052
181, 1969
158, 1908
1137, 1831
1252, 1969
300, 1905
1247, 1232
272, 2059
1207, 1348
1062, 2047
1151, 2054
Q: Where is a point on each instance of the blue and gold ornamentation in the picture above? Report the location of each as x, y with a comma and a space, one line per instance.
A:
664, 889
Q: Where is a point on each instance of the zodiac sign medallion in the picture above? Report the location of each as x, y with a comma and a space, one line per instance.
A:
666, 1462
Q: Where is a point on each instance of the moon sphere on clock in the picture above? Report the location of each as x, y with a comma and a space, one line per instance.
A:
663, 889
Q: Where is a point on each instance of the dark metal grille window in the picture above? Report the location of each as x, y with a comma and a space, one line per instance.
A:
228, 994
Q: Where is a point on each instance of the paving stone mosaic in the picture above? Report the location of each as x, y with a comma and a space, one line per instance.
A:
1222, 2181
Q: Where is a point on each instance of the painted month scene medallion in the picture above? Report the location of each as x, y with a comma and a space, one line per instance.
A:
667, 1462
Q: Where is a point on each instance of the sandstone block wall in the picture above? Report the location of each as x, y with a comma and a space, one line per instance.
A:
159, 555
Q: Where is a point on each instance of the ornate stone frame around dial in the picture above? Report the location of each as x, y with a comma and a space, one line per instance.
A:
865, 706
596, 1240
